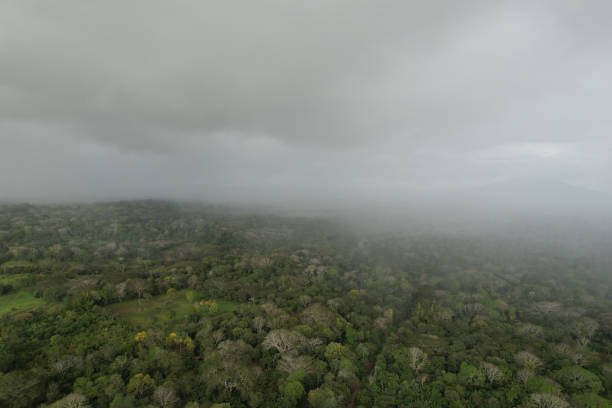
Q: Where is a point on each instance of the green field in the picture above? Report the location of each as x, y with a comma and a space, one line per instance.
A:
12, 278
14, 264
20, 301
170, 308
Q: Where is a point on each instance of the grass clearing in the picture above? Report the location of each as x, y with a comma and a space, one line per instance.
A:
170, 308
16, 263
17, 267
12, 278
20, 301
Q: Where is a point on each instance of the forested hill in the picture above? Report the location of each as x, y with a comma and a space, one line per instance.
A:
145, 303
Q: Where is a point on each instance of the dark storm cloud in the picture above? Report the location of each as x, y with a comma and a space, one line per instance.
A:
307, 100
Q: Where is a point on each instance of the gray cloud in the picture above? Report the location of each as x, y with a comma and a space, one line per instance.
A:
312, 100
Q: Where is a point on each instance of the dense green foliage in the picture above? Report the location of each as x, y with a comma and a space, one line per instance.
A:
152, 304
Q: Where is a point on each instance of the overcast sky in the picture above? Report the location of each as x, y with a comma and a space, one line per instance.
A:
312, 100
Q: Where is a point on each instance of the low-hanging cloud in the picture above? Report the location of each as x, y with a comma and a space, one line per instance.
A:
312, 100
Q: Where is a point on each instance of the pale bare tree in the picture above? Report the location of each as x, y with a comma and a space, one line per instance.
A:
121, 290
74, 400
493, 374
218, 336
284, 341
277, 320
259, 322
584, 329
363, 350
472, 309
527, 360
318, 314
269, 308
304, 300
228, 385
418, 359
572, 312
65, 364
235, 350
347, 374
314, 261
530, 329
380, 323
546, 401
193, 282
61, 367
165, 397
262, 261
334, 304
562, 349
205, 331
606, 324
525, 374
545, 307
310, 344
580, 358
290, 363
445, 314
140, 286
419, 382
53, 390
440, 293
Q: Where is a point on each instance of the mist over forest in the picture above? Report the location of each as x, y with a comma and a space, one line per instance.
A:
315, 204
